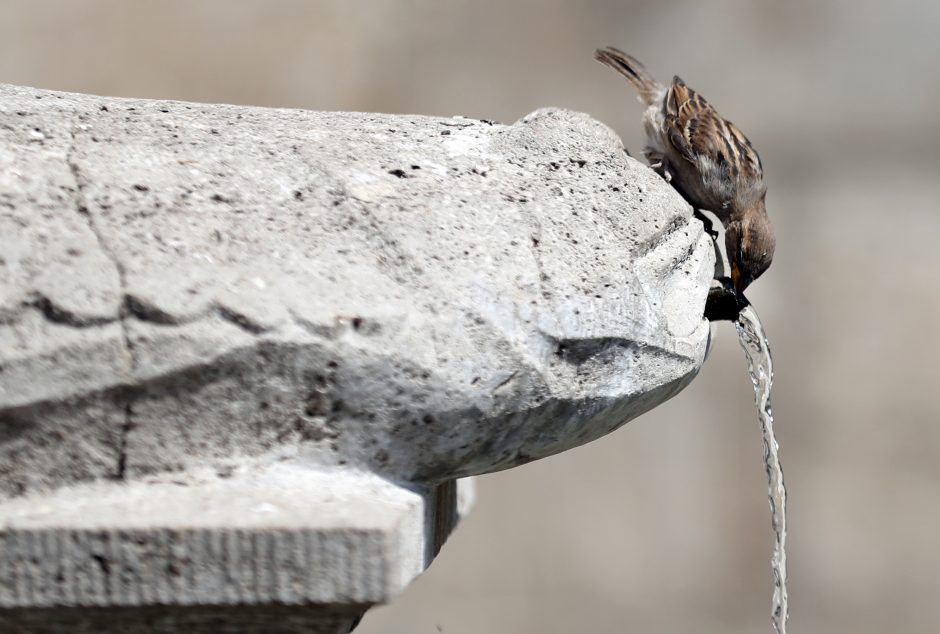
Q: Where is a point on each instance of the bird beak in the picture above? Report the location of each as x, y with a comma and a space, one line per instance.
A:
736, 277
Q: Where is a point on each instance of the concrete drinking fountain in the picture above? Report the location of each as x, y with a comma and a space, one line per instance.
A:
247, 355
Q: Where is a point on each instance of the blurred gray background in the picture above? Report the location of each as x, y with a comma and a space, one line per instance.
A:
662, 526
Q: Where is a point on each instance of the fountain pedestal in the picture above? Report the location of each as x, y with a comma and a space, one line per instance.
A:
283, 548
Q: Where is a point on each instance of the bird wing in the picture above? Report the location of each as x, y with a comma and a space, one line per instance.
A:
698, 132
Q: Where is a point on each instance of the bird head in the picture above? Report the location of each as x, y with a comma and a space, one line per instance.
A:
749, 242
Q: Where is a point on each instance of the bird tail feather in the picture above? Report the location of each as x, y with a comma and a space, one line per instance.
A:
633, 70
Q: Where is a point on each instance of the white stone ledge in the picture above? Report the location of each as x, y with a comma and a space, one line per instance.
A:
285, 534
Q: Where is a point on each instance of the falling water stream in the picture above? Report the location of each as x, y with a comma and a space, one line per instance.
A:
752, 339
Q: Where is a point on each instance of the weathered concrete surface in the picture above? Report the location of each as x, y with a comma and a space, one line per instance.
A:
330, 543
225, 331
188, 285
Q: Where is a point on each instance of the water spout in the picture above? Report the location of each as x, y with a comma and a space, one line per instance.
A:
723, 302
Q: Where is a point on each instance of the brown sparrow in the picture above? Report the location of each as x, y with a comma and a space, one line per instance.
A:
707, 159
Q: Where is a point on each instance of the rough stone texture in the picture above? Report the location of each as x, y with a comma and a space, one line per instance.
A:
330, 543
269, 619
226, 331
185, 285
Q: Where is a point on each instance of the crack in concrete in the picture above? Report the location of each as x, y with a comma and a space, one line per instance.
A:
81, 207
52, 313
131, 306
149, 313
504, 385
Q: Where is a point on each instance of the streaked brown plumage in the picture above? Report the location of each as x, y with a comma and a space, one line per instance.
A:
708, 160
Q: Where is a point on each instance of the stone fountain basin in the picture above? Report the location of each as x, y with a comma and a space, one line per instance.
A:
192, 286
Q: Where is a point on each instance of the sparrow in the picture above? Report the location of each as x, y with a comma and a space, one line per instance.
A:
708, 161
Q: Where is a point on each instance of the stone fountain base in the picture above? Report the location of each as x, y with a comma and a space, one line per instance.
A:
227, 332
